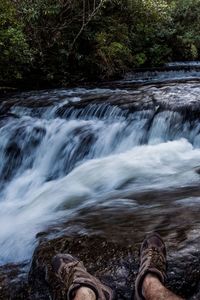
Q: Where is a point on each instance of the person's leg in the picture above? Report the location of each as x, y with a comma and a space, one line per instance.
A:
149, 283
153, 289
77, 283
85, 293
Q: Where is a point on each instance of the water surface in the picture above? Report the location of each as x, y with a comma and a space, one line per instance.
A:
102, 171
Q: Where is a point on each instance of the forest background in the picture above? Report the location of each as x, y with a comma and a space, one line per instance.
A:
61, 42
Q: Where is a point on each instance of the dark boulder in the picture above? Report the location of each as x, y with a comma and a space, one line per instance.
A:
114, 263
13, 282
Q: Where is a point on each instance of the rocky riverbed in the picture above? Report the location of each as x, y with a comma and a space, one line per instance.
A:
90, 171
127, 98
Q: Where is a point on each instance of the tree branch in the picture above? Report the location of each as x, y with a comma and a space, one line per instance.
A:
86, 22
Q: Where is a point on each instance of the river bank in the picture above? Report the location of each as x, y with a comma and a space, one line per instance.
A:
172, 72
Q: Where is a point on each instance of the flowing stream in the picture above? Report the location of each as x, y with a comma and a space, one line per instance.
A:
98, 171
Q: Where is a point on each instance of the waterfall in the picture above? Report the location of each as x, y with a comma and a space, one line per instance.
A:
57, 159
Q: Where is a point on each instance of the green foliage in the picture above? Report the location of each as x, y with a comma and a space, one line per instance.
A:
186, 38
60, 40
113, 53
14, 49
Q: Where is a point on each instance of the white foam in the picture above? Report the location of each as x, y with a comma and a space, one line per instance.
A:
29, 208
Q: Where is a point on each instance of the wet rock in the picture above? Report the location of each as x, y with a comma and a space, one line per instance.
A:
71, 152
179, 96
18, 100
13, 158
197, 170
5, 118
157, 97
114, 263
13, 282
8, 115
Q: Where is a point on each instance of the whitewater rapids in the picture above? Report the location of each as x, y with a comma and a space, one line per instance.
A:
52, 168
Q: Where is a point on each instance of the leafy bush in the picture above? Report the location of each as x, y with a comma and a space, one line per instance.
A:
113, 53
15, 52
59, 41
186, 23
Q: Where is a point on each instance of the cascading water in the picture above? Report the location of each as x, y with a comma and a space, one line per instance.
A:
52, 167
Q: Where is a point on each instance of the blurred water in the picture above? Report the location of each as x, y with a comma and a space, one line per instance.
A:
175, 71
54, 170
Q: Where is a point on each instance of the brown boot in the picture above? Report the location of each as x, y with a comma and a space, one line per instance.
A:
73, 275
152, 260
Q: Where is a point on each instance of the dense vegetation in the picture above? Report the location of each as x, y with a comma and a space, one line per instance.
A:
60, 41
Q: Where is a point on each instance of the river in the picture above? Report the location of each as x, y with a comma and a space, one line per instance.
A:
86, 161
